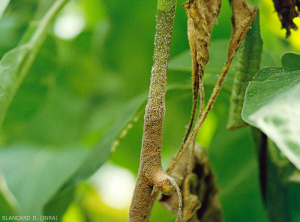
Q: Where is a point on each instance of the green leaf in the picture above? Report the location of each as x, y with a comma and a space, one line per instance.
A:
234, 161
278, 190
9, 67
16, 63
33, 92
3, 5
272, 104
108, 143
291, 60
59, 122
59, 204
34, 173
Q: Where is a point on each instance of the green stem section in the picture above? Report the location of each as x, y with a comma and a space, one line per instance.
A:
273, 173
150, 172
248, 65
276, 190
16, 63
165, 5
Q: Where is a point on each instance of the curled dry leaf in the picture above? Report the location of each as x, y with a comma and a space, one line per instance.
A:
286, 10
202, 15
242, 17
195, 67
200, 193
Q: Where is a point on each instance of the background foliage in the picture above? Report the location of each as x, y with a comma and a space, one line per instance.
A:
85, 90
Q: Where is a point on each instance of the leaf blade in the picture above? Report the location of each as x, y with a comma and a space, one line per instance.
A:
31, 173
3, 6
271, 104
291, 60
108, 143
16, 63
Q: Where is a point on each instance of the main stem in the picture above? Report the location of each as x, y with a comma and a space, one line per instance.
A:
150, 170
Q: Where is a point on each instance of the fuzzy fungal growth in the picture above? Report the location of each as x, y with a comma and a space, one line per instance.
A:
202, 15
150, 171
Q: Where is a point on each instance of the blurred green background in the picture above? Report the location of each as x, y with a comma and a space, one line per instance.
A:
92, 70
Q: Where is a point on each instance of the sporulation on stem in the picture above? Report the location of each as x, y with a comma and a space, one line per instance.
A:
202, 16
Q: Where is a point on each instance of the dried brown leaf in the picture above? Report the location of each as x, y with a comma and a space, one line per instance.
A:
202, 15
242, 17
298, 4
199, 189
200, 193
195, 67
286, 10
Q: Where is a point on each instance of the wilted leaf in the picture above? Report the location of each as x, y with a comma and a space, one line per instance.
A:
203, 15
286, 10
201, 19
242, 17
272, 104
197, 69
199, 189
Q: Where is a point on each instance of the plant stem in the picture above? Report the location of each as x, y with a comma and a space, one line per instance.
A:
150, 171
